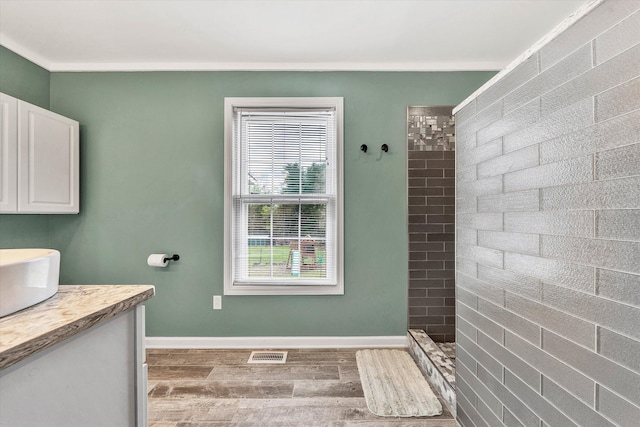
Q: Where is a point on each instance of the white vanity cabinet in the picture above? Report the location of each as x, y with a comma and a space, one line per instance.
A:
76, 359
39, 159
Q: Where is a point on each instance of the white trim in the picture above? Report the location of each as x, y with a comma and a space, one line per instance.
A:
559, 29
26, 53
78, 67
393, 341
266, 66
317, 102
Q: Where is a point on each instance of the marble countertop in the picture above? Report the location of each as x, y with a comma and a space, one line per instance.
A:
75, 308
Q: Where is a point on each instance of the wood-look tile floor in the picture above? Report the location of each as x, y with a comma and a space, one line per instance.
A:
207, 388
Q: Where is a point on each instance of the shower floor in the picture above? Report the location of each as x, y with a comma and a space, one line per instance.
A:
449, 349
437, 363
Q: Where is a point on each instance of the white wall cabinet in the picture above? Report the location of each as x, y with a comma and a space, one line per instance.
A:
39, 161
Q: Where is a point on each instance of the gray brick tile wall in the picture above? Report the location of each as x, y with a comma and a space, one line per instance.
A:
563, 400
480, 221
488, 398
510, 202
431, 219
565, 223
610, 374
491, 418
618, 286
482, 357
476, 155
527, 374
571, 118
465, 406
612, 133
465, 358
549, 413
576, 276
509, 281
570, 171
548, 262
517, 119
611, 254
613, 72
466, 113
618, 38
572, 380
618, 100
618, 410
567, 69
607, 15
481, 289
515, 405
571, 327
622, 193
490, 328
467, 298
618, 163
521, 159
619, 348
522, 73
510, 321
512, 242
484, 256
509, 419
619, 317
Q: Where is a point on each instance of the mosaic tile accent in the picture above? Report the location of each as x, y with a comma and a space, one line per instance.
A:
435, 365
430, 129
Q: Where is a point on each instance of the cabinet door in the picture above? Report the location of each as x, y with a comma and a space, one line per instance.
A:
8, 154
48, 161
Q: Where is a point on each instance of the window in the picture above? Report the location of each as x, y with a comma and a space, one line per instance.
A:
283, 196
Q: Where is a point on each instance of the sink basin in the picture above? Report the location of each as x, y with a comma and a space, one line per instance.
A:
27, 277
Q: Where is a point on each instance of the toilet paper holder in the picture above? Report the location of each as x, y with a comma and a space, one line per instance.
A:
175, 257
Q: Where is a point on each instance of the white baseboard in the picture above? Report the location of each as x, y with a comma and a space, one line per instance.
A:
399, 341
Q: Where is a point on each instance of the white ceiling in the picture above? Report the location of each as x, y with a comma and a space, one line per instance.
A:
86, 35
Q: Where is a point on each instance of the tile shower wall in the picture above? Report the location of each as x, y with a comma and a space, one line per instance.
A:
548, 247
431, 144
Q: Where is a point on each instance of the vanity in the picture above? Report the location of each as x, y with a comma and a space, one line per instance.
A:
76, 359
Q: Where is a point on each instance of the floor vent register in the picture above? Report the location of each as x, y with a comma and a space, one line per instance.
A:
268, 357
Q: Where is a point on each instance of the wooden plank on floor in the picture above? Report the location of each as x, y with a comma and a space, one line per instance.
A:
327, 389
179, 372
273, 372
222, 389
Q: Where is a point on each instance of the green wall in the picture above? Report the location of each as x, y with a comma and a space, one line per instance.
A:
23, 79
152, 181
27, 81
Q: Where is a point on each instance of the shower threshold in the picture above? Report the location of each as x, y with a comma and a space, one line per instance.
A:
435, 364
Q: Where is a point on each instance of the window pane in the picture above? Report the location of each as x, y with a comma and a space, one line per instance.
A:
286, 240
287, 259
259, 220
286, 153
286, 219
314, 220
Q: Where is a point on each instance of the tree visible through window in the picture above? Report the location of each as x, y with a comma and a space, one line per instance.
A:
284, 214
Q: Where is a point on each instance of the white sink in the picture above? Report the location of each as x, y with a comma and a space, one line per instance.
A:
27, 277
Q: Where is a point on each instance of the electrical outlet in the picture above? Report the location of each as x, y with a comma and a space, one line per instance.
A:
217, 302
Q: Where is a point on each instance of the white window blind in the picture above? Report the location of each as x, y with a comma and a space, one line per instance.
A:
285, 197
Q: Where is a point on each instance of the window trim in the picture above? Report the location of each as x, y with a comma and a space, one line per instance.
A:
296, 102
